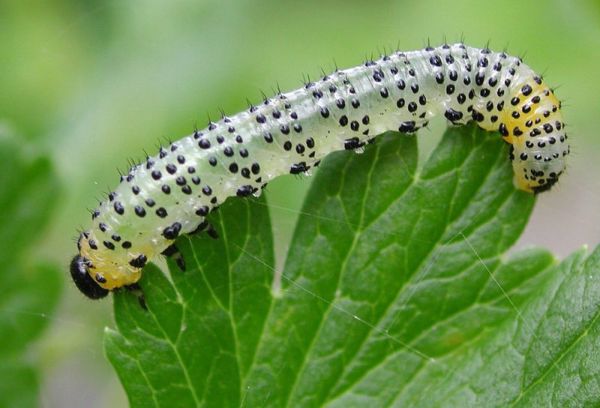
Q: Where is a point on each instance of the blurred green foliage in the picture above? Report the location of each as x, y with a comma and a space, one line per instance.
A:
91, 84
30, 288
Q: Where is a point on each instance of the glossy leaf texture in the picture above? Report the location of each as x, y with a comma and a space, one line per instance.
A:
397, 290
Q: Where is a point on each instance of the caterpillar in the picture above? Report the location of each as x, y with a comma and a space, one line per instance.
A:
173, 192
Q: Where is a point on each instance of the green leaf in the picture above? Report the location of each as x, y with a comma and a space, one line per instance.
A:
397, 291
28, 194
30, 288
199, 336
19, 384
29, 295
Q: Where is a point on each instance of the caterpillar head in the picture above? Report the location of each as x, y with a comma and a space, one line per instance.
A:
96, 270
83, 280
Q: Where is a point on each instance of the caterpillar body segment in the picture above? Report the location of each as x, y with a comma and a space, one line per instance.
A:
172, 193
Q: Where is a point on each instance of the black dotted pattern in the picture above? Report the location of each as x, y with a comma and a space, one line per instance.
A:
172, 193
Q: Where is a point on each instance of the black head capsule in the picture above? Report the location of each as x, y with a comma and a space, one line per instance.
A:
544, 187
83, 280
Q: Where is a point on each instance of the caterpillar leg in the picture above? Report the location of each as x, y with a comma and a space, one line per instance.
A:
212, 232
137, 291
173, 252
208, 227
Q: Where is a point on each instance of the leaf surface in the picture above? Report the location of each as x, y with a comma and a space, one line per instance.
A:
397, 290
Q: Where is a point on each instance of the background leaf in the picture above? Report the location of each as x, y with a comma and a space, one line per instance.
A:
30, 288
397, 291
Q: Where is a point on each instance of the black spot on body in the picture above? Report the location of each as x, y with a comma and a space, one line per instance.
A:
119, 208
479, 78
453, 115
435, 61
477, 116
139, 261
503, 130
172, 231
245, 191
202, 211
